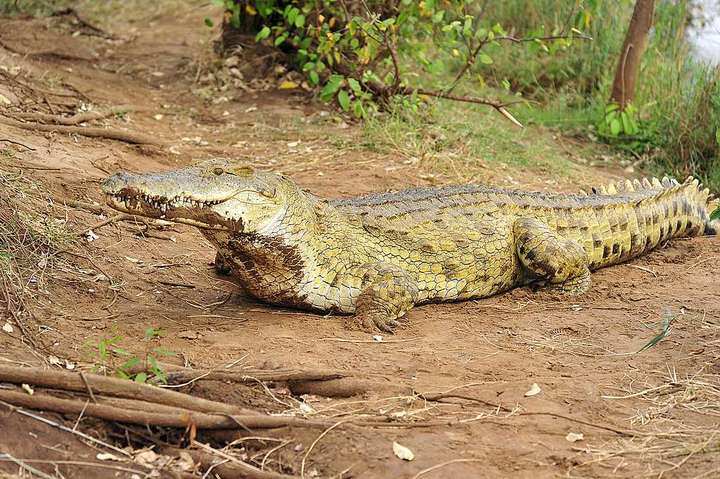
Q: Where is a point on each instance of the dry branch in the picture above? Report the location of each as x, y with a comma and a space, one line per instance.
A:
347, 387
185, 419
113, 387
75, 119
251, 375
109, 133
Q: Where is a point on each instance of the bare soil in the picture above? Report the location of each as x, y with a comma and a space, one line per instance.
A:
581, 352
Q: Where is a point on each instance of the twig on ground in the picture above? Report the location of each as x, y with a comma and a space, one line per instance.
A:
443, 464
95, 209
87, 385
307, 454
65, 428
13, 142
641, 268
21, 463
179, 285
368, 341
107, 221
242, 469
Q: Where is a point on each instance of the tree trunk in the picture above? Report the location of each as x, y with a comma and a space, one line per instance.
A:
626, 75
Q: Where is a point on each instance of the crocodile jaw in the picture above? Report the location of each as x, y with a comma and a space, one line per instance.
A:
202, 214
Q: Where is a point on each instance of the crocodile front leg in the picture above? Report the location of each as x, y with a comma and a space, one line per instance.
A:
557, 262
222, 265
387, 293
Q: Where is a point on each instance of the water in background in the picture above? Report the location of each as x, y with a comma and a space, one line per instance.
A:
704, 31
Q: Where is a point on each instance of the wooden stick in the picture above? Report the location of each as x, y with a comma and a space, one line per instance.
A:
112, 134
182, 420
75, 119
123, 388
251, 375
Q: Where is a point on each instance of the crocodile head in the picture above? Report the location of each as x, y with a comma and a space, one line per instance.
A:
216, 195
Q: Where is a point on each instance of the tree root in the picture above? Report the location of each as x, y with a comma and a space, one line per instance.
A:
75, 119
185, 419
347, 387
122, 388
112, 134
250, 375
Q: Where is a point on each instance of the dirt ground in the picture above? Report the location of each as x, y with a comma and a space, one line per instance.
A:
654, 413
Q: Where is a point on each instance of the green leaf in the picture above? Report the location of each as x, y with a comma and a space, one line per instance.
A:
314, 77
485, 59
262, 34
627, 129
355, 85
141, 378
358, 109
292, 15
279, 40
209, 22
331, 87
467, 27
344, 100
300, 21
615, 127
715, 215
130, 363
717, 136
612, 107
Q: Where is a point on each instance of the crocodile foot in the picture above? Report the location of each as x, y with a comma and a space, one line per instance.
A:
372, 322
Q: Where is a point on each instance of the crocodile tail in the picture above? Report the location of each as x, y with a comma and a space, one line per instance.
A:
654, 190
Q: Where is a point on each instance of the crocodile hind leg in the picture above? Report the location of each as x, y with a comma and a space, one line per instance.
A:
556, 262
387, 293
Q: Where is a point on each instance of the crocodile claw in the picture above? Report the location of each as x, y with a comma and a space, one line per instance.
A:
371, 323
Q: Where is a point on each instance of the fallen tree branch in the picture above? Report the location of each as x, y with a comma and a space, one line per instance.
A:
112, 134
122, 388
107, 221
94, 209
250, 375
347, 387
184, 420
76, 119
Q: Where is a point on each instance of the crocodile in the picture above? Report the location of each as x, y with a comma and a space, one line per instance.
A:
376, 256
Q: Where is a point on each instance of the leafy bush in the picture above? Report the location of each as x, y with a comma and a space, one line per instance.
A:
362, 53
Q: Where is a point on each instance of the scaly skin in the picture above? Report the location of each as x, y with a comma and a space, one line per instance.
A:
379, 255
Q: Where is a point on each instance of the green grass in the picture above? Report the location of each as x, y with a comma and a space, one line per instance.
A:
460, 140
678, 100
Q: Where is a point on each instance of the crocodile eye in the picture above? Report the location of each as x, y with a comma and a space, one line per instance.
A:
268, 192
218, 171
